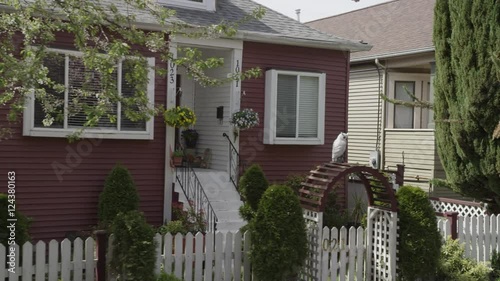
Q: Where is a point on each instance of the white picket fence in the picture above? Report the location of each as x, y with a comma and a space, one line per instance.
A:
62, 261
480, 234
209, 257
343, 254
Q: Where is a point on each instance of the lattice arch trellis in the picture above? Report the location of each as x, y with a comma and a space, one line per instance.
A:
381, 223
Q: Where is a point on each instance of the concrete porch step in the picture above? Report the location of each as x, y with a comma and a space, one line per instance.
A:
223, 197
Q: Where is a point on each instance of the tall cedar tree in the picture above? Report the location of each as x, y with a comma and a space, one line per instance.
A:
467, 96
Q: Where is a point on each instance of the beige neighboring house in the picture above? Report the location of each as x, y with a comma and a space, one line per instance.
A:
402, 58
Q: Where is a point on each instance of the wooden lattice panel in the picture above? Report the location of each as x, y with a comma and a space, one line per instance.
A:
465, 209
382, 242
323, 179
314, 223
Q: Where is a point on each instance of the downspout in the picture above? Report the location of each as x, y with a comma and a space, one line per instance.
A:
346, 126
380, 144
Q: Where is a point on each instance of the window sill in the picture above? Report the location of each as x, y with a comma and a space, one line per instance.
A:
293, 141
89, 133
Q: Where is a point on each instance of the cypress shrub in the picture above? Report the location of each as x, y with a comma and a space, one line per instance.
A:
466, 88
22, 224
134, 249
279, 238
420, 240
119, 195
252, 185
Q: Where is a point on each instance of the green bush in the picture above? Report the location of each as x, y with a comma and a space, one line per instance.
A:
420, 240
134, 249
454, 267
279, 238
333, 215
252, 185
495, 265
295, 181
167, 277
119, 195
22, 223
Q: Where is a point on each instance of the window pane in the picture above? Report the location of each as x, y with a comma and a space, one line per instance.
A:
308, 107
128, 90
55, 64
403, 115
286, 109
84, 87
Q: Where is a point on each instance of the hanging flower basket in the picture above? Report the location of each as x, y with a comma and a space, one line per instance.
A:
179, 117
245, 119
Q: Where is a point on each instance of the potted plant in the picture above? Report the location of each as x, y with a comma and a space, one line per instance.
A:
190, 137
179, 117
177, 157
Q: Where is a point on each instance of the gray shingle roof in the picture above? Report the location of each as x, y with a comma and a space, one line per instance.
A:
272, 26
391, 28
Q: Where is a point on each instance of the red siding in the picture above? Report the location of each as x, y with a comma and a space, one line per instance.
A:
61, 207
279, 161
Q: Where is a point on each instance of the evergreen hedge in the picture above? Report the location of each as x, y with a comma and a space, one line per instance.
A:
279, 238
134, 248
419, 237
252, 185
467, 96
119, 195
22, 224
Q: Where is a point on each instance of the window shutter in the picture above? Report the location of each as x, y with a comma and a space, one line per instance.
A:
308, 107
286, 106
403, 115
128, 91
55, 64
84, 85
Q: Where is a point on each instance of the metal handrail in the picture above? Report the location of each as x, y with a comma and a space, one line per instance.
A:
234, 162
196, 196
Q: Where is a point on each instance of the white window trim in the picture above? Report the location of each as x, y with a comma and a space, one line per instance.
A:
420, 91
29, 128
270, 109
208, 5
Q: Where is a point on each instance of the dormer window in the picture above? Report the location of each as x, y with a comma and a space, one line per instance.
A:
208, 5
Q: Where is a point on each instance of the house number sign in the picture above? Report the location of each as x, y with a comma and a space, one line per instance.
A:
237, 71
333, 244
171, 71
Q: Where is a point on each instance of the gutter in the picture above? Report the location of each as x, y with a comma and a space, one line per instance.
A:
341, 44
396, 54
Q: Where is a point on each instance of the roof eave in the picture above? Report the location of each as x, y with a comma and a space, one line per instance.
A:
393, 54
343, 45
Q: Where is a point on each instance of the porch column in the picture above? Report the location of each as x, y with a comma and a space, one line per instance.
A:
170, 136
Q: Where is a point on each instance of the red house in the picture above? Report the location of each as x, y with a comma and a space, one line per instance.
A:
301, 99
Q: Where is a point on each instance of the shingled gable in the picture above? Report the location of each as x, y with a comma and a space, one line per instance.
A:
386, 27
272, 28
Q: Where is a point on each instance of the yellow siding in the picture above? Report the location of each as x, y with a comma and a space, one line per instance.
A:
418, 147
363, 113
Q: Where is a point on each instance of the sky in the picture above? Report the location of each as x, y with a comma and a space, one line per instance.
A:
316, 9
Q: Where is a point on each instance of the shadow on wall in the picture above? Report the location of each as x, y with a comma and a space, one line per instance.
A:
356, 191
